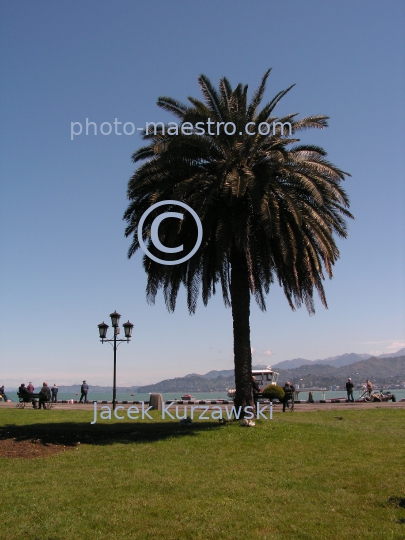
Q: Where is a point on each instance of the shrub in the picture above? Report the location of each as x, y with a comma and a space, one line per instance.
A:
272, 392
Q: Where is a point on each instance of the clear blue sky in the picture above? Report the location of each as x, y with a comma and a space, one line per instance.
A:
64, 266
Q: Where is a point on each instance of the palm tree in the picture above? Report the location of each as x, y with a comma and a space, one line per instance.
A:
269, 208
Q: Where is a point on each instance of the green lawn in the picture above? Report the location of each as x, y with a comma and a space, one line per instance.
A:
301, 476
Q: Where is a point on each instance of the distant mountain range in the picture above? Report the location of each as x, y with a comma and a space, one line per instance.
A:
380, 370
337, 361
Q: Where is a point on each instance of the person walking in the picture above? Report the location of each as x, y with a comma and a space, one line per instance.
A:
369, 387
289, 390
84, 390
349, 390
54, 392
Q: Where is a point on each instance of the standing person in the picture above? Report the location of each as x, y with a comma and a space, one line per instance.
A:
369, 387
44, 395
256, 390
289, 390
54, 392
349, 390
84, 390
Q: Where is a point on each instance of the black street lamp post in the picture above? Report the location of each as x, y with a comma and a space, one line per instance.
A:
102, 328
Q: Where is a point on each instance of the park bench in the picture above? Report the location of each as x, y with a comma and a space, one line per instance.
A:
27, 397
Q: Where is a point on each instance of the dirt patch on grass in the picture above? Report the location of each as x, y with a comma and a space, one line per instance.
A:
10, 448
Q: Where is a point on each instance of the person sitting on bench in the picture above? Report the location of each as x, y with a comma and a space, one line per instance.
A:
25, 394
3, 394
44, 395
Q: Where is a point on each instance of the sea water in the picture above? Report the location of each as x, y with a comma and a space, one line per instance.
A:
99, 396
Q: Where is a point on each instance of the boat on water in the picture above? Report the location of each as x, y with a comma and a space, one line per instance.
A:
264, 377
187, 397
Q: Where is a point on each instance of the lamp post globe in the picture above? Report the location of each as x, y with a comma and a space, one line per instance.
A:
115, 319
128, 329
102, 328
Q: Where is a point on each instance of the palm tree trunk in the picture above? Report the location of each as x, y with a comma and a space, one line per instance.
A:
240, 300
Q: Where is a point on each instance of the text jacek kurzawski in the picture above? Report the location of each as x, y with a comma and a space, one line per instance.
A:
201, 412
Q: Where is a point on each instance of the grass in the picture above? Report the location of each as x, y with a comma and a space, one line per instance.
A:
301, 476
